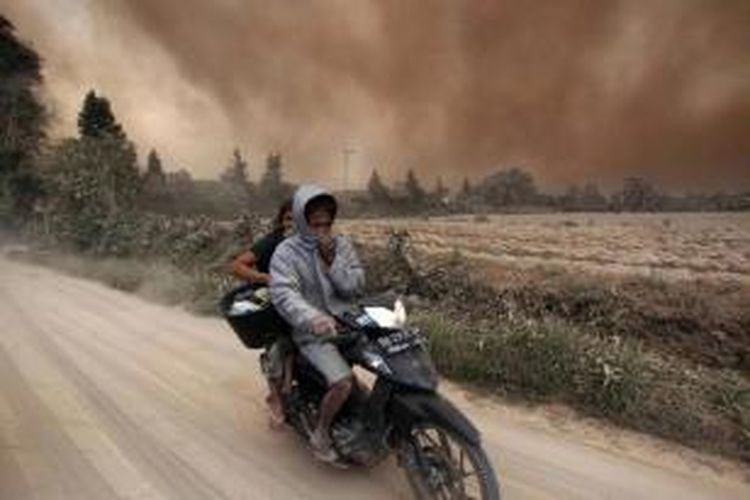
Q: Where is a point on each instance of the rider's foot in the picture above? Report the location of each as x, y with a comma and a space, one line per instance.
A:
275, 405
322, 447
277, 419
276, 423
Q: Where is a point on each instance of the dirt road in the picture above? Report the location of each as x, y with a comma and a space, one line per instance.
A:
103, 395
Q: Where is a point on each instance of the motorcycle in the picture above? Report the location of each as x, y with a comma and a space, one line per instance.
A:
439, 449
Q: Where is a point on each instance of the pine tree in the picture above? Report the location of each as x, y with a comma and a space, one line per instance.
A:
376, 189
102, 159
414, 190
440, 190
465, 188
154, 179
238, 189
96, 120
236, 172
153, 165
272, 183
22, 124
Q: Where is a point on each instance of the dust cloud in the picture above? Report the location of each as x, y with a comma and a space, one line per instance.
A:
572, 90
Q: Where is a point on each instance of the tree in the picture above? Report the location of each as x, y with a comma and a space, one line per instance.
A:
180, 192
236, 172
98, 168
22, 123
638, 195
154, 168
180, 184
235, 181
591, 199
413, 189
93, 181
440, 192
272, 183
376, 189
507, 187
465, 188
272, 178
571, 200
154, 184
103, 139
465, 197
96, 120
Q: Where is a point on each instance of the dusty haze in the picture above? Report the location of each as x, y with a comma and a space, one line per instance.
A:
572, 90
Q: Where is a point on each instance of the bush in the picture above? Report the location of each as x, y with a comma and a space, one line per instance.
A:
612, 376
552, 360
185, 242
538, 359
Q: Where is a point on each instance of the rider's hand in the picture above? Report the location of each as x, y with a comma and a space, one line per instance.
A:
327, 248
324, 325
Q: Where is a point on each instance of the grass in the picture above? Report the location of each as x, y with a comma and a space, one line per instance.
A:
707, 323
555, 361
538, 360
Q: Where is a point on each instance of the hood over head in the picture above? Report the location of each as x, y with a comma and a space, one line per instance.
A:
302, 197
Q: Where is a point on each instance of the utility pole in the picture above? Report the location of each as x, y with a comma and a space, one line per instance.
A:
346, 152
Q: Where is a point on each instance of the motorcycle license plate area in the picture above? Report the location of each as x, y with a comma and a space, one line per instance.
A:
398, 341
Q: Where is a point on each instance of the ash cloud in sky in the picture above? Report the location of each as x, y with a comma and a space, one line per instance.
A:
573, 90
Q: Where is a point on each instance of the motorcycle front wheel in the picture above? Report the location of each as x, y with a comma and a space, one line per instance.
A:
441, 464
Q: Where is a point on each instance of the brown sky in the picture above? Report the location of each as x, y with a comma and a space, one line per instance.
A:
572, 90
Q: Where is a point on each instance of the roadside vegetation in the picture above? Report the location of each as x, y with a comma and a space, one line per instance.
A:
551, 360
529, 344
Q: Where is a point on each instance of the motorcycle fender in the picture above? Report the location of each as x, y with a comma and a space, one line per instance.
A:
412, 408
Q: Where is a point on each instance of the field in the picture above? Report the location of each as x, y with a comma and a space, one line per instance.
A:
713, 246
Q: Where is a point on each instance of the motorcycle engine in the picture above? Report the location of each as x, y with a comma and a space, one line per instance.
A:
355, 442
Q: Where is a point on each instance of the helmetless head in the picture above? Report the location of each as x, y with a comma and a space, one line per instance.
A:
284, 218
314, 211
320, 213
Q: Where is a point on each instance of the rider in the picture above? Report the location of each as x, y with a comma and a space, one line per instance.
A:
253, 266
314, 276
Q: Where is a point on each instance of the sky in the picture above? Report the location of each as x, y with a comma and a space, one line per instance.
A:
571, 90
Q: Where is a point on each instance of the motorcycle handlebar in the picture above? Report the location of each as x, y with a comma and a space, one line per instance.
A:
344, 336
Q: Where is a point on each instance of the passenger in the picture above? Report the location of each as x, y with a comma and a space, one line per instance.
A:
314, 276
253, 267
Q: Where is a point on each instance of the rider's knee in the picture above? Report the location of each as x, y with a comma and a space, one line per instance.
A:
343, 385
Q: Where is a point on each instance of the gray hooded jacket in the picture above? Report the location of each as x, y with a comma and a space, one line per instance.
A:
301, 287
